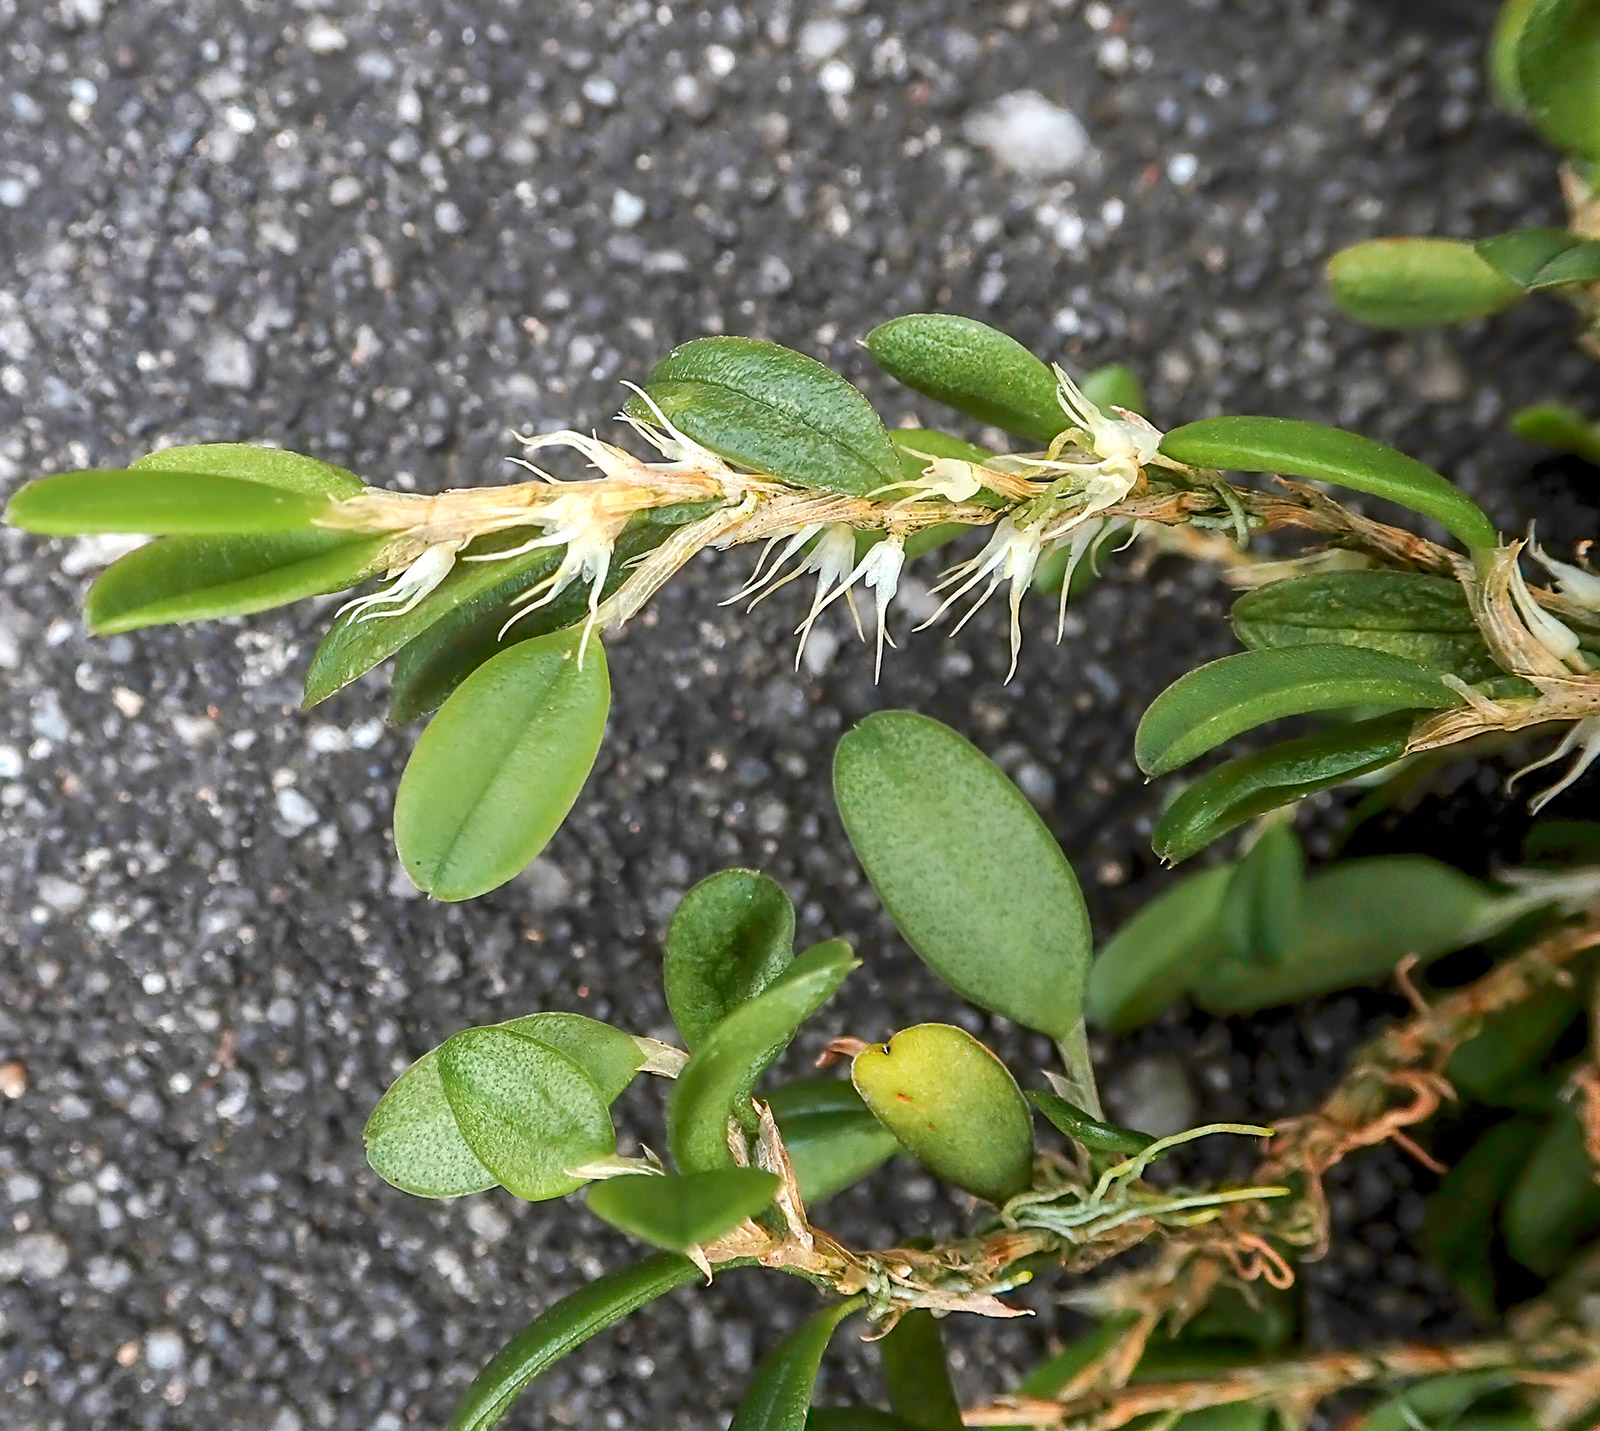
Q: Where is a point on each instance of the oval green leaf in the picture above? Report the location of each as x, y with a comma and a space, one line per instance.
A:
1502, 59
954, 1107
1262, 910
1555, 1205
1563, 428
715, 1085
780, 1393
973, 368
677, 1213
527, 1112
562, 1328
1327, 454
159, 503
774, 411
1541, 258
1216, 702
916, 1375
1095, 1136
1417, 283
292, 471
832, 1138
497, 769
1497, 1065
1558, 73
730, 937
1240, 789
966, 868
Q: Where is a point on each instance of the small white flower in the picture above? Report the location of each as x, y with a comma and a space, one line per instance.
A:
1123, 445
1012, 554
879, 571
417, 582
833, 559
1558, 639
1579, 585
1085, 538
1584, 737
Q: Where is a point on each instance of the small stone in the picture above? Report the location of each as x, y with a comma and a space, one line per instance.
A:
323, 37
13, 1078
34, 1257
822, 39
344, 191
548, 888
1153, 1095
487, 1221
449, 218
836, 78
163, 1349
295, 811
1031, 136
626, 209
229, 362
600, 91
774, 276
60, 894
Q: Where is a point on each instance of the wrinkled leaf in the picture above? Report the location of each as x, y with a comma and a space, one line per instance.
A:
1542, 258
497, 769
973, 368
915, 1374
1151, 960
527, 1112
1327, 454
954, 1107
780, 1393
156, 502
938, 830
775, 411
730, 937
1555, 1204
1094, 1135
1115, 385
562, 1328
832, 1138
1216, 702
1424, 619
1563, 428
677, 1213
1261, 912
1502, 60
716, 1084
1558, 73
1417, 282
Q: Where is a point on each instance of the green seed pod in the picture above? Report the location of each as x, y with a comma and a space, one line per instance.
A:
953, 1105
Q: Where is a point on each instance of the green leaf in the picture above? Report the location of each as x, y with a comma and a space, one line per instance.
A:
1095, 1136
412, 1139
528, 1113
497, 769
1212, 704
1250, 785
1150, 961
159, 503
832, 1138
1050, 1378
1459, 1233
1555, 1204
715, 1085
1558, 73
1417, 282
1235, 1416
730, 937
973, 368
678, 1213
852, 1418
1542, 258
1560, 427
774, 411
1513, 1044
562, 1328
1439, 1401
1327, 454
290, 471
1115, 385
1361, 918
915, 1374
940, 832
780, 1392
1424, 619
1261, 912
954, 1107
1560, 844
1502, 61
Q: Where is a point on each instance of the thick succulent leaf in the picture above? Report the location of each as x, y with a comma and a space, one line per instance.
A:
973, 368
158, 503
412, 1139
1417, 282
916, 1376
497, 769
730, 937
832, 1138
1558, 73
1328, 454
1361, 918
1115, 385
1424, 619
1542, 258
775, 411
1459, 1232
1555, 1205
1151, 960
1504, 39
1263, 907
954, 1107
716, 1084
1497, 1065
677, 1213
1241, 789
1563, 428
527, 1112
966, 868
562, 1328
1212, 704
780, 1393
1095, 1136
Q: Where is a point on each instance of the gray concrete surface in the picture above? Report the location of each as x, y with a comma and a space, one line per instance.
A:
384, 232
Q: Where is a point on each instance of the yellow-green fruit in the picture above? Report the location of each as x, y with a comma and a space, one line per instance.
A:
953, 1105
